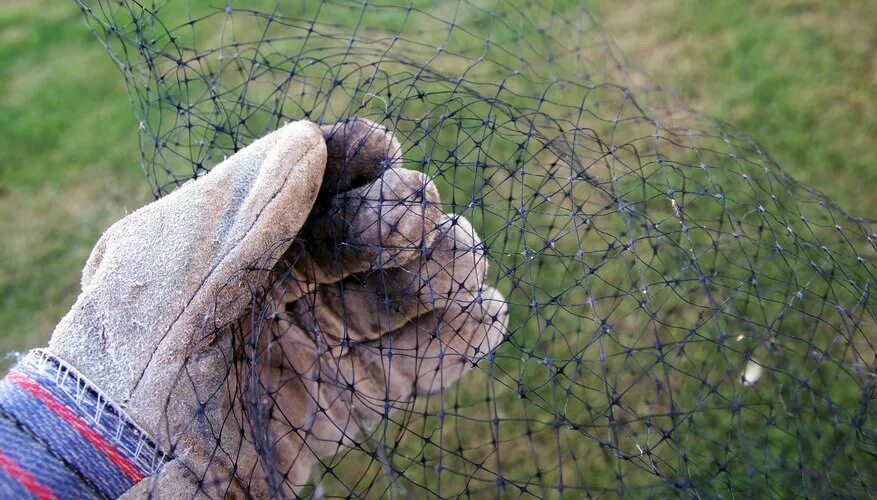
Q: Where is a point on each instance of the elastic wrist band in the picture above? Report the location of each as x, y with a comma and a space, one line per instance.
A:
60, 436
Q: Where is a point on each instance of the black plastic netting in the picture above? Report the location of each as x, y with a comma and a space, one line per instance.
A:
683, 317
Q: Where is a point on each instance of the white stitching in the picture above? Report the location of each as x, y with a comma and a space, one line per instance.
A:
93, 403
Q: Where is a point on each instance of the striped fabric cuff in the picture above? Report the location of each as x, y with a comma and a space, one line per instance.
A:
60, 437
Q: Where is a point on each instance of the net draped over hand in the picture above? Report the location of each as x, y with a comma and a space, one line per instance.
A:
684, 317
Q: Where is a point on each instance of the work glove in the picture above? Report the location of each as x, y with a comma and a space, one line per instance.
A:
260, 317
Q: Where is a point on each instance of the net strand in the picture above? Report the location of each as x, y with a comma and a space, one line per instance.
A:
685, 318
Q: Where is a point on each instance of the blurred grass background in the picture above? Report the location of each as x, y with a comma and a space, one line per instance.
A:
800, 76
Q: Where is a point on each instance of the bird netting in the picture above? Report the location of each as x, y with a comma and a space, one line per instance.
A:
610, 293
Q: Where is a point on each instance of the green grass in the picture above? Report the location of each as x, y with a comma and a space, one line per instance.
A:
800, 76
792, 76
68, 162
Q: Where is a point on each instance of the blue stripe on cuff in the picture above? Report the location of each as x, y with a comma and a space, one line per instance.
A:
71, 445
72, 390
46, 444
9, 486
39, 462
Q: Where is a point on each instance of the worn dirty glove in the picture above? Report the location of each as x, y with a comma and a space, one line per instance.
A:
409, 321
374, 271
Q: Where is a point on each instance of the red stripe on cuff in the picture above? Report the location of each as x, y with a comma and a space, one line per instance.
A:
81, 427
25, 478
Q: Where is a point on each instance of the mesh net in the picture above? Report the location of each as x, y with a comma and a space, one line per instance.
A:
682, 316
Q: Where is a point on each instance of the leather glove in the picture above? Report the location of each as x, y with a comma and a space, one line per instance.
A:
376, 296
342, 356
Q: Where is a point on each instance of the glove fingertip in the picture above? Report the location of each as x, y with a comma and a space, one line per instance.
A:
288, 180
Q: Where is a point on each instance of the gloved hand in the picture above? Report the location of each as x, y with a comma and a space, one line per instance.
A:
342, 356
377, 295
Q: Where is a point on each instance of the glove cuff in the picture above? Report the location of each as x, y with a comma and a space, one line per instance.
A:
61, 436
